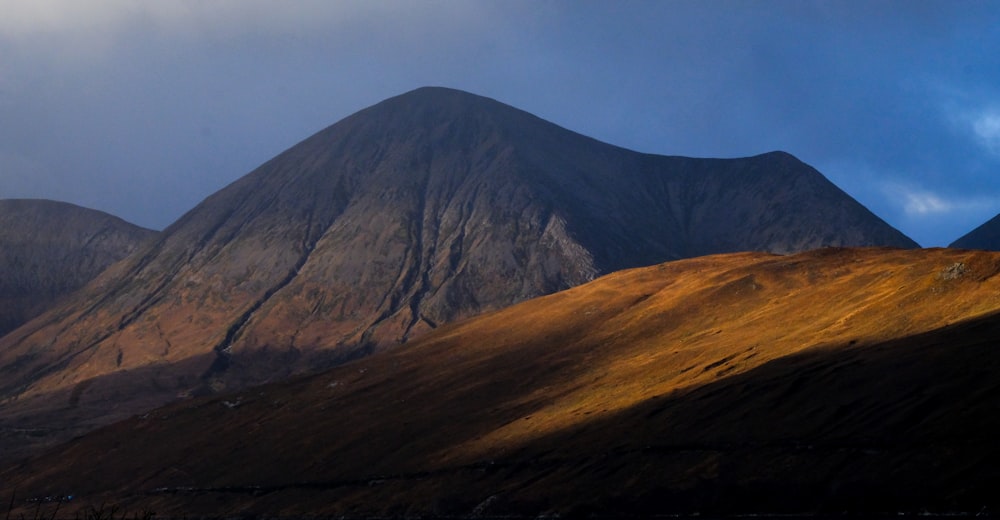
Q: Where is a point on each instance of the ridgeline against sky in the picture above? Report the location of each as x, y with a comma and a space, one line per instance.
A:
142, 109
986, 236
424, 209
50, 249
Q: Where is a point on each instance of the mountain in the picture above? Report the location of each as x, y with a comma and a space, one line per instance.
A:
49, 249
985, 237
424, 209
838, 380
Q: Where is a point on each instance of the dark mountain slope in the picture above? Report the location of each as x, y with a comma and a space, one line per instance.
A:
859, 381
49, 249
426, 208
985, 237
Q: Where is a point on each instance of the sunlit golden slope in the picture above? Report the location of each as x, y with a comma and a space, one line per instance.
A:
429, 207
834, 380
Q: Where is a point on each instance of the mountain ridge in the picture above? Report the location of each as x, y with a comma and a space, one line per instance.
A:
49, 249
986, 236
427, 208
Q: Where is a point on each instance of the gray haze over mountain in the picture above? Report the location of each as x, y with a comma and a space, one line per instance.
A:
142, 109
50, 249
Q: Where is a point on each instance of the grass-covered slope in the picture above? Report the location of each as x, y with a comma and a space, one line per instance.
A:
429, 207
836, 380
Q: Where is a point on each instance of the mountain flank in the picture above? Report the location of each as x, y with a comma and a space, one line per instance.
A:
49, 249
424, 209
838, 380
985, 237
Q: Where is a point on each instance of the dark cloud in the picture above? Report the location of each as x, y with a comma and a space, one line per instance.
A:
143, 109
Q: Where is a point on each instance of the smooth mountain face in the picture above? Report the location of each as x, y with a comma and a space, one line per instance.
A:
424, 209
49, 249
985, 237
839, 380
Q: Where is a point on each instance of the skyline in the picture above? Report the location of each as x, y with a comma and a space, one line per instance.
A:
144, 109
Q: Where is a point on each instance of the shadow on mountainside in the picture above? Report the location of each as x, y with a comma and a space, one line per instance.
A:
33, 423
905, 425
359, 409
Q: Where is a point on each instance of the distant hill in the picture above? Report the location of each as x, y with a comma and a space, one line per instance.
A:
49, 249
835, 381
985, 237
424, 209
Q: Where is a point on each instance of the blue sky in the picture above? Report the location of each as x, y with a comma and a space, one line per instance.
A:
144, 108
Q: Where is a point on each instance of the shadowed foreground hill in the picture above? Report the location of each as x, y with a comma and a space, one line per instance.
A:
49, 249
836, 380
429, 207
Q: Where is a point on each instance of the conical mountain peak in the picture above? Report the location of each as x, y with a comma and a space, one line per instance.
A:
427, 105
445, 102
426, 208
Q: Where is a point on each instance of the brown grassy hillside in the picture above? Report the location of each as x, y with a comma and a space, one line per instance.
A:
835, 380
429, 207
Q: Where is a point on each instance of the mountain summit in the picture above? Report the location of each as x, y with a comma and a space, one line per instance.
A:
426, 208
